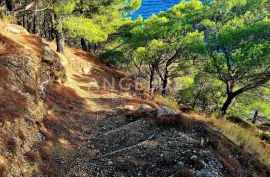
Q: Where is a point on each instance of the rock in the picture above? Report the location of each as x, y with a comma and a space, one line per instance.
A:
44, 42
193, 157
144, 107
163, 110
52, 64
49, 55
86, 70
129, 107
12, 29
110, 162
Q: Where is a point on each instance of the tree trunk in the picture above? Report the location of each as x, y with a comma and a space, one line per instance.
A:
10, 5
165, 83
151, 81
227, 104
83, 44
23, 20
254, 119
95, 48
196, 98
35, 18
60, 41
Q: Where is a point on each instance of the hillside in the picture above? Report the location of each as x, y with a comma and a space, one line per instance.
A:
60, 118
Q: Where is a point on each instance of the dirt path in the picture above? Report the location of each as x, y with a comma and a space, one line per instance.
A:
79, 126
88, 134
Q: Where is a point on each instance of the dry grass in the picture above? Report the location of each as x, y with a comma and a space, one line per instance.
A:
247, 138
2, 46
167, 102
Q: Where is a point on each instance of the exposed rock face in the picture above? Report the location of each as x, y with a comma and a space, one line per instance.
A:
51, 64
163, 110
13, 29
21, 107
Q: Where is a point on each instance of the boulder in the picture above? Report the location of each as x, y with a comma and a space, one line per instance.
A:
44, 42
144, 107
15, 30
52, 63
163, 110
129, 107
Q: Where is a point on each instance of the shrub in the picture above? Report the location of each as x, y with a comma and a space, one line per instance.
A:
7, 19
266, 137
238, 120
247, 138
167, 101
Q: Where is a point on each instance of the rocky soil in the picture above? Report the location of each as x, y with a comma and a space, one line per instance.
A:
58, 119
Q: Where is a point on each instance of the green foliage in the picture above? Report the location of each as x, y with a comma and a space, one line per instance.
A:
203, 93
84, 27
93, 20
249, 102
265, 136
64, 7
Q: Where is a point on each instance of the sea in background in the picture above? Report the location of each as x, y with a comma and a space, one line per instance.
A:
150, 7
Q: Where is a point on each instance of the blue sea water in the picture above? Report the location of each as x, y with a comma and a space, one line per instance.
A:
150, 7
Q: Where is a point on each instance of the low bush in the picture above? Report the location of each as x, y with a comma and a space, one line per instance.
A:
247, 138
169, 102
265, 137
238, 120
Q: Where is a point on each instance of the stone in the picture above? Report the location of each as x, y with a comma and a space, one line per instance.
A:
49, 55
129, 107
12, 29
44, 42
110, 162
86, 70
144, 107
163, 110
193, 157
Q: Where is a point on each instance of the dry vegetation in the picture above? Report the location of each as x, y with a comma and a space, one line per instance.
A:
241, 133
167, 102
247, 138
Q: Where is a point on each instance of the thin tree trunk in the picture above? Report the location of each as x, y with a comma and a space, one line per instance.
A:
164, 86
23, 20
10, 5
151, 80
28, 23
95, 48
196, 98
60, 41
254, 119
227, 104
35, 18
83, 44
165, 83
